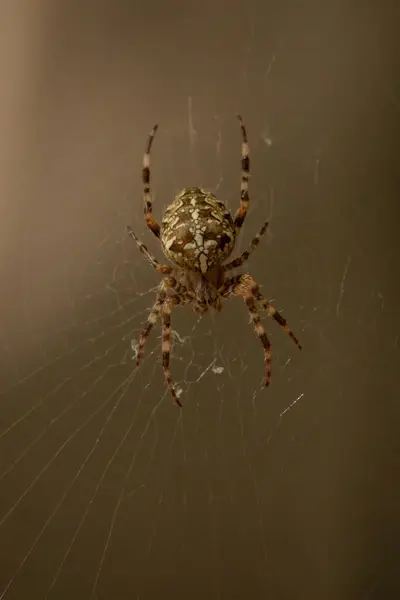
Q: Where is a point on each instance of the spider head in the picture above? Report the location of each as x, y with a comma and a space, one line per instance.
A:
204, 287
197, 233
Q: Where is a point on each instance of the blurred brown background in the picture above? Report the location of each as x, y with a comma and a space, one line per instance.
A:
106, 489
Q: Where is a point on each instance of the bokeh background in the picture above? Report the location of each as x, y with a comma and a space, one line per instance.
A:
107, 490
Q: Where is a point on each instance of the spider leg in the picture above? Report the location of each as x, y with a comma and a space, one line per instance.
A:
246, 288
237, 262
151, 321
237, 285
165, 269
152, 224
244, 187
166, 284
166, 344
272, 312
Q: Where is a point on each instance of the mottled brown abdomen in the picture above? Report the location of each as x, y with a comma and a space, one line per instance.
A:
197, 231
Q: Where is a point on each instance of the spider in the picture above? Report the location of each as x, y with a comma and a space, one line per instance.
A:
198, 234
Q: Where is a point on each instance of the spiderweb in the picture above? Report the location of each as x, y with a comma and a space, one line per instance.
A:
107, 490
90, 445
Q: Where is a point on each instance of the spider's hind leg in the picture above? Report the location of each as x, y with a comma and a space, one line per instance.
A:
244, 187
152, 224
165, 269
237, 262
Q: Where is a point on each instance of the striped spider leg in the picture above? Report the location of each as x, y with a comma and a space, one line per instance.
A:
237, 262
244, 186
170, 293
247, 288
164, 269
152, 224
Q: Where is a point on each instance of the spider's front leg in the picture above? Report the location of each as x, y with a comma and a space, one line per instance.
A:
247, 288
168, 283
162, 308
166, 343
151, 321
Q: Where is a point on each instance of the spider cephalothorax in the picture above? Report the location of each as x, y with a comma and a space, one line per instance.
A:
198, 234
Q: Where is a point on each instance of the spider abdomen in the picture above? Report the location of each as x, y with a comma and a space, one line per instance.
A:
197, 230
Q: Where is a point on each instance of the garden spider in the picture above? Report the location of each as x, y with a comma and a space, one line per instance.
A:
198, 234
